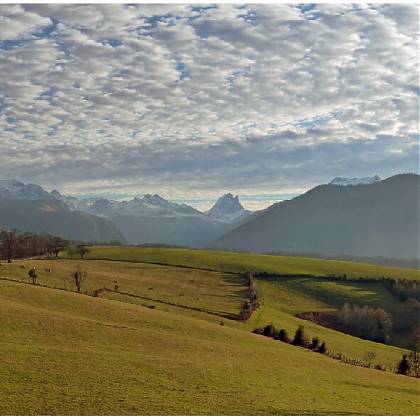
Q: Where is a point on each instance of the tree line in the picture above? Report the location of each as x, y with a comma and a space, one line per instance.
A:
17, 245
365, 322
404, 289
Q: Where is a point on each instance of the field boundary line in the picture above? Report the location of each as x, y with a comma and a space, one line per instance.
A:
168, 303
233, 317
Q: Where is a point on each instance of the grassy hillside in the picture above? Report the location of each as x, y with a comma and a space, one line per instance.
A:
220, 293
211, 295
240, 262
284, 298
64, 353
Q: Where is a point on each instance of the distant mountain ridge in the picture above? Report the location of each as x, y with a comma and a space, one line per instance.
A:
149, 205
55, 217
16, 190
226, 209
150, 219
367, 220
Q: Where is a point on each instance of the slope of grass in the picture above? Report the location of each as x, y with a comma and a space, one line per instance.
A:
223, 294
220, 293
241, 262
63, 353
284, 298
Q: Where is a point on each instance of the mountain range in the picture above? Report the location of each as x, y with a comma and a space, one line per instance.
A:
365, 217
150, 219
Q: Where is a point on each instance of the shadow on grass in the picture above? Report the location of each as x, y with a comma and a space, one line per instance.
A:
414, 391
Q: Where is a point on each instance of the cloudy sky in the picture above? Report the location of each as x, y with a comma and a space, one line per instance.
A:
193, 101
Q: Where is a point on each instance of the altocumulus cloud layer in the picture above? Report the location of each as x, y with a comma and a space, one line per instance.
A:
190, 101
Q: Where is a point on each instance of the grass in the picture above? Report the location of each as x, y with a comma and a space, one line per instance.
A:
282, 299
232, 262
220, 293
64, 353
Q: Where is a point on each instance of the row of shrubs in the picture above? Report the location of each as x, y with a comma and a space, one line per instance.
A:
300, 339
253, 300
409, 365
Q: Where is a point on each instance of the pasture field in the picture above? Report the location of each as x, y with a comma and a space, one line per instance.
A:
65, 353
167, 342
284, 298
220, 293
233, 262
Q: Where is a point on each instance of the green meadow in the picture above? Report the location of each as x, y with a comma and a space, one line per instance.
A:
165, 340
234, 262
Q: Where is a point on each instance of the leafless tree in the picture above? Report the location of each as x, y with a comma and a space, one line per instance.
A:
9, 244
79, 277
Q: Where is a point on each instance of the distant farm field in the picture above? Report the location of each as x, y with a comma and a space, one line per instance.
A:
241, 262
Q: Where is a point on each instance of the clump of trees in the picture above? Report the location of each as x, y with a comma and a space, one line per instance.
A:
365, 322
77, 251
14, 244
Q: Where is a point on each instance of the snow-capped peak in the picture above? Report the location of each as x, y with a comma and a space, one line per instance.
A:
16, 190
355, 181
227, 204
227, 208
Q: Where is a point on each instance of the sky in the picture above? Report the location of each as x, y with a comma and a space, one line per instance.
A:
191, 102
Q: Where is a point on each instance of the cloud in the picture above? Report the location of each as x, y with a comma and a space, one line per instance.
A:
15, 22
196, 99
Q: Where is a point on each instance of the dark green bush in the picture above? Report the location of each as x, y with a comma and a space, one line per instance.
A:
301, 338
270, 331
283, 335
322, 348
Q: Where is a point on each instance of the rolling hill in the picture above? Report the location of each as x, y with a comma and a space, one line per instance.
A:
70, 353
377, 219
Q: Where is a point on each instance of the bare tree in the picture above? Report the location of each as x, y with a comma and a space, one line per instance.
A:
82, 249
9, 244
79, 277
